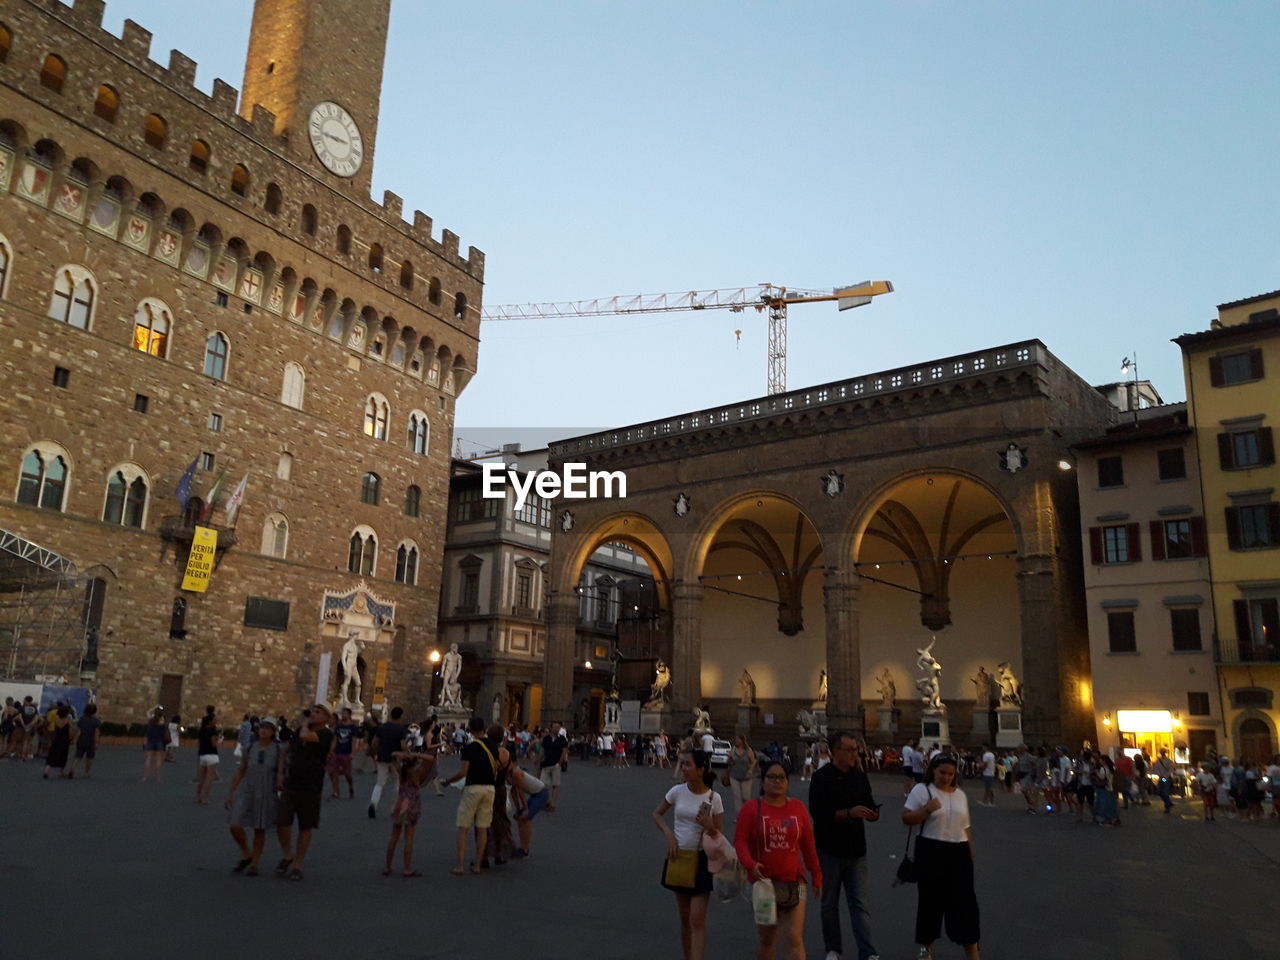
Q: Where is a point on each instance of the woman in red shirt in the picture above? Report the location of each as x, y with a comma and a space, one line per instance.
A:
774, 840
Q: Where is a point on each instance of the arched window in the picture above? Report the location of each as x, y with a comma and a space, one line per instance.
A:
419, 432
309, 219
363, 555
126, 502
108, 103
155, 130
375, 257
53, 74
178, 618
460, 306
295, 384
413, 501
407, 563
43, 480
199, 156
275, 536
377, 413
240, 179
433, 291
73, 296
406, 275
344, 238
6, 41
370, 486
215, 357
151, 325
274, 199
284, 467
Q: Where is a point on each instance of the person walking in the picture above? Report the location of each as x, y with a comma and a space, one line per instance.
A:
175, 739
59, 745
208, 739
386, 741
153, 745
1207, 787
699, 811
303, 788
415, 769
774, 841
251, 800
1142, 770
1164, 769
944, 859
1104, 791
555, 760
743, 769
841, 803
988, 762
344, 739
1024, 768
475, 810
90, 733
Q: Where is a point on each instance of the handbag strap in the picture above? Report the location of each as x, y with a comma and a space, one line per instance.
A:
913, 826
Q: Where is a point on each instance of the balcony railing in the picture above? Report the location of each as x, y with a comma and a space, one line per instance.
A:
181, 529
1234, 650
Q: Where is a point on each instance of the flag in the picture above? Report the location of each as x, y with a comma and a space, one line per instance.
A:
211, 499
234, 501
183, 493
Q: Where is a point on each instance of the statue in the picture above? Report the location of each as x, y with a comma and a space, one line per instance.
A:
1010, 686
810, 726
612, 713
661, 681
748, 687
350, 664
888, 689
982, 691
450, 670
822, 686
701, 720
498, 703
929, 685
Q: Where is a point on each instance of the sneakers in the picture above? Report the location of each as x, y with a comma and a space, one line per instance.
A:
832, 955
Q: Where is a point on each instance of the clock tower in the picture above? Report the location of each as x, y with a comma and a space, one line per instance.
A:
317, 65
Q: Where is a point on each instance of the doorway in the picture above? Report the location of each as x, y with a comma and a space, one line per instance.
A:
1256, 745
1202, 742
171, 693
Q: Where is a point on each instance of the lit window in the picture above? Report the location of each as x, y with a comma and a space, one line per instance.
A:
53, 75
73, 295
43, 481
377, 413
240, 179
107, 105
215, 357
154, 131
199, 156
151, 325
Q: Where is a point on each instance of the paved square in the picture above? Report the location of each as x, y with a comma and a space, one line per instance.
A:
110, 867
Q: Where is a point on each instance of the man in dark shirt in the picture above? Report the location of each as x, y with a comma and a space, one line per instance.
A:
555, 759
388, 739
839, 801
479, 771
344, 738
303, 787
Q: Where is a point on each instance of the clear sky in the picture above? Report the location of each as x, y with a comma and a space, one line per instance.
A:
1095, 174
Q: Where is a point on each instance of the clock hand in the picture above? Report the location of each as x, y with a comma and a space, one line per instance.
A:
336, 138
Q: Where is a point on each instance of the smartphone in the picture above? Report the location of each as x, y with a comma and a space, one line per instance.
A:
705, 808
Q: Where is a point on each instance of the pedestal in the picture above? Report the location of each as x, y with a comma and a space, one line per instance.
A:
748, 719
459, 716
886, 724
357, 710
934, 729
1008, 726
981, 726
655, 719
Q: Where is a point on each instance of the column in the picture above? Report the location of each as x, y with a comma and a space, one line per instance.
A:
1052, 664
686, 648
557, 669
844, 653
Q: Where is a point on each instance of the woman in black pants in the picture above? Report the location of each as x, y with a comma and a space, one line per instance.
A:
944, 854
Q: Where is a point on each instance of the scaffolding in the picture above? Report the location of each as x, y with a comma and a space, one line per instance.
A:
43, 614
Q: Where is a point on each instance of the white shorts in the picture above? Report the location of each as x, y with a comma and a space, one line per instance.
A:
550, 775
208, 759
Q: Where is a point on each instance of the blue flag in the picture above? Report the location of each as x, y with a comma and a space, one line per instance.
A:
183, 493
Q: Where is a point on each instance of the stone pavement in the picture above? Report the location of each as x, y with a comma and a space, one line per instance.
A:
110, 868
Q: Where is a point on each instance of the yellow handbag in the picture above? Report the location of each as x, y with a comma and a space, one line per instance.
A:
682, 871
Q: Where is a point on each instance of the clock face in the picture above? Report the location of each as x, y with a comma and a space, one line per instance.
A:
336, 138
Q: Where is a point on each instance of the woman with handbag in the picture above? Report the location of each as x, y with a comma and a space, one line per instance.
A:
943, 859
698, 811
790, 849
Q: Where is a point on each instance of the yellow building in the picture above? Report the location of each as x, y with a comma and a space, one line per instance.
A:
1233, 400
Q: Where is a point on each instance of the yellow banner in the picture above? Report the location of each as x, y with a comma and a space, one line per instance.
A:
380, 678
200, 563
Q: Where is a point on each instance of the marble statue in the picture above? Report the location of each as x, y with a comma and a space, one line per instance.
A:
982, 689
748, 687
930, 685
701, 720
810, 726
1010, 686
661, 681
498, 703
822, 686
888, 689
349, 690
450, 671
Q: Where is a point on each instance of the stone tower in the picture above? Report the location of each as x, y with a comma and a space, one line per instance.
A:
304, 53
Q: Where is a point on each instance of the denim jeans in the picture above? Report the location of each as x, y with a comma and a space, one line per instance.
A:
1163, 788
852, 873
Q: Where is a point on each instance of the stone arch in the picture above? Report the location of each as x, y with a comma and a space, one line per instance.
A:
1248, 723
636, 530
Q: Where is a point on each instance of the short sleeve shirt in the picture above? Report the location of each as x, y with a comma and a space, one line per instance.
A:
306, 761
948, 823
389, 737
481, 758
686, 804
344, 735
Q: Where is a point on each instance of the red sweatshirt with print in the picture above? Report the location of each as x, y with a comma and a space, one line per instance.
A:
780, 839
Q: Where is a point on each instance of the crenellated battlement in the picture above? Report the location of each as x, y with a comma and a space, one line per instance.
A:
133, 47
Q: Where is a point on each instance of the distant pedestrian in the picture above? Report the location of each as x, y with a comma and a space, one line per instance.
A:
207, 751
415, 769
1104, 791
1142, 772
1207, 787
988, 762
501, 844
175, 739
344, 738
944, 859
1025, 769
555, 760
59, 747
1164, 770
29, 718
368, 731
529, 795
251, 800
699, 812
475, 810
90, 733
303, 788
388, 739
156, 736
743, 770
8, 723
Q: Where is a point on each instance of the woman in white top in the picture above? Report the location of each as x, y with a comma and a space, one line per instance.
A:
698, 811
944, 855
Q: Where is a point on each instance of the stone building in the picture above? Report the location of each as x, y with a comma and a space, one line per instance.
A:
839, 527
1232, 401
191, 277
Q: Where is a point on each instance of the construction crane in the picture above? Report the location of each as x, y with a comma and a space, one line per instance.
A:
764, 296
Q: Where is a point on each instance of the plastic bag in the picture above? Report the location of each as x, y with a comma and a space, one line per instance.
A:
239, 752
764, 903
